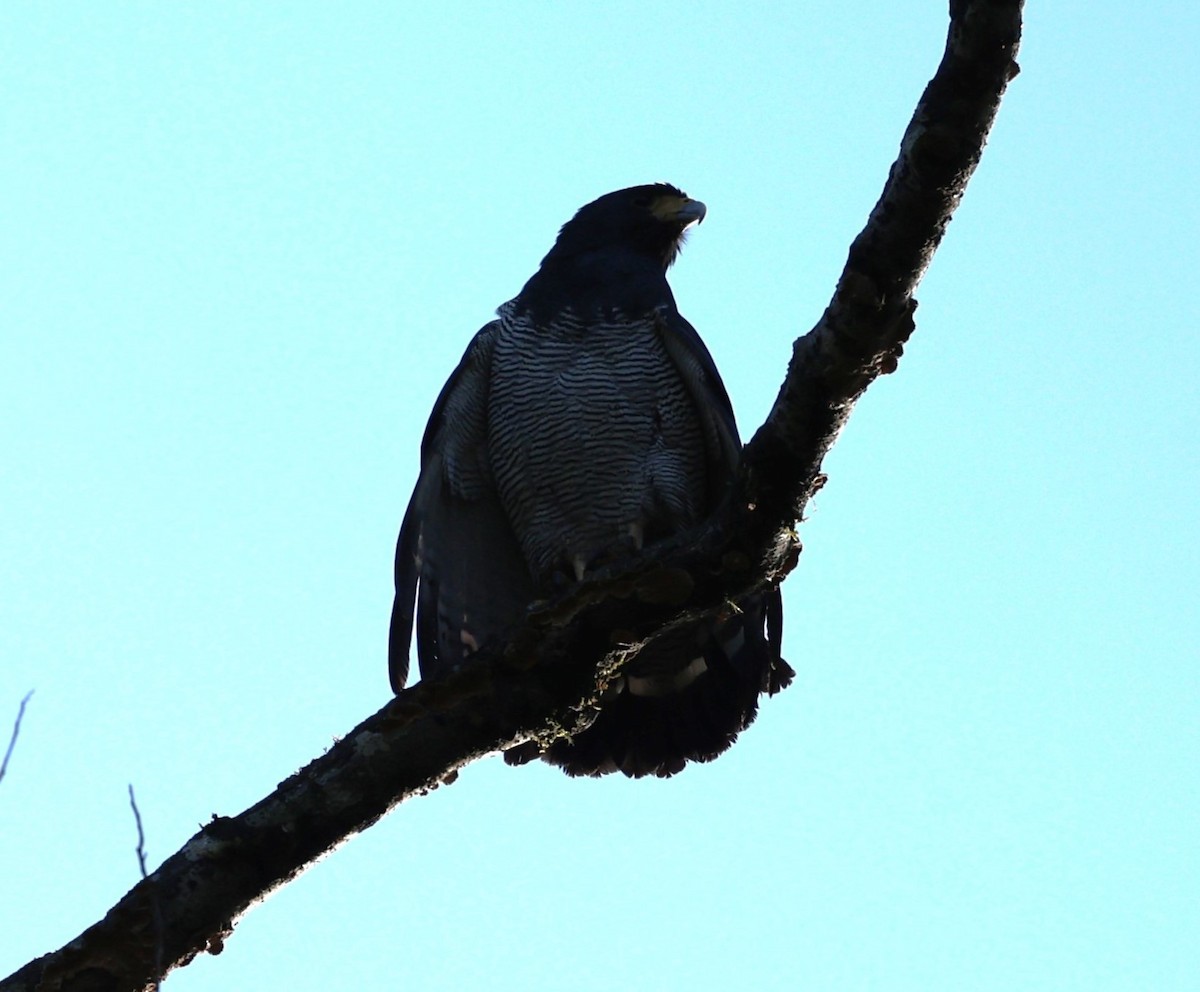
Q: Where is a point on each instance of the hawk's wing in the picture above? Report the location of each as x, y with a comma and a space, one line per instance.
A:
700, 377
459, 569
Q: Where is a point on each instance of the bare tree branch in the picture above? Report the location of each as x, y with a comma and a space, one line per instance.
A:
16, 732
549, 674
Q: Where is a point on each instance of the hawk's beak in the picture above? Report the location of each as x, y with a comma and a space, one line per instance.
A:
679, 209
691, 212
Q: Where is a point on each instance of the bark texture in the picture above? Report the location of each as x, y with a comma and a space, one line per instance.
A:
544, 682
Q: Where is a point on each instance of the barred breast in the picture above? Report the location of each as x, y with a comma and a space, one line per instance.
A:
594, 442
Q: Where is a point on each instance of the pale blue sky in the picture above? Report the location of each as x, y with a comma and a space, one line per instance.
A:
243, 245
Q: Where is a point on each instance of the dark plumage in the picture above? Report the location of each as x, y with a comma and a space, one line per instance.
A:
588, 419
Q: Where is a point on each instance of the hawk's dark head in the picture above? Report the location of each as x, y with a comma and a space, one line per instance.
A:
645, 220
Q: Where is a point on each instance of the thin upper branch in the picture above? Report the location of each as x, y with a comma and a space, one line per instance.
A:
551, 668
16, 732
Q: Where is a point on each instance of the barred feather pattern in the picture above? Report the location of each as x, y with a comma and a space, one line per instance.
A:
594, 441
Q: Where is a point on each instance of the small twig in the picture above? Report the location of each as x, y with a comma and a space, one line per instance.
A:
141, 844
12, 741
141, 856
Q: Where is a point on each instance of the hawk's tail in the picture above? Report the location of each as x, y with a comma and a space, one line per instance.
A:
685, 698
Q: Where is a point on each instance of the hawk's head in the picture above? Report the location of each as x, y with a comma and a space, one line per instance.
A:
647, 220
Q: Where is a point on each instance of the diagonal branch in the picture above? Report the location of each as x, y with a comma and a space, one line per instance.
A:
551, 670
